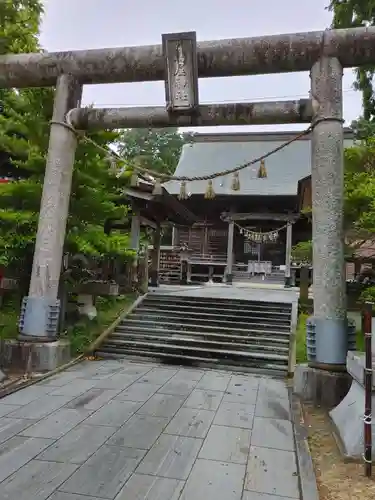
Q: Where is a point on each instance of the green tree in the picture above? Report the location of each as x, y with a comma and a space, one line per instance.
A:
158, 149
359, 159
359, 182
359, 201
19, 25
360, 190
24, 132
355, 13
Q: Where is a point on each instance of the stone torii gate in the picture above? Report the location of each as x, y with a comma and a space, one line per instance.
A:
323, 53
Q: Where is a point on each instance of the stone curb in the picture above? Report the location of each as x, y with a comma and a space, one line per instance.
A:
305, 467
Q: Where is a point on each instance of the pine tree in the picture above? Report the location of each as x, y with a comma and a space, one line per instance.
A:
24, 133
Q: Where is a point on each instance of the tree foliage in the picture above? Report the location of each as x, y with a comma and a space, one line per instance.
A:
158, 149
360, 190
24, 132
19, 25
359, 181
359, 201
355, 13
359, 159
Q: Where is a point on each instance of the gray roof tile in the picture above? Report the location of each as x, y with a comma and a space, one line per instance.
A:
207, 155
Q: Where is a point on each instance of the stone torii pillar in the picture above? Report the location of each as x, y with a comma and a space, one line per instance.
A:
329, 325
40, 310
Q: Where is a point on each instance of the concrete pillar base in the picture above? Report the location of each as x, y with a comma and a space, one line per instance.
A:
320, 387
37, 357
39, 318
328, 342
348, 415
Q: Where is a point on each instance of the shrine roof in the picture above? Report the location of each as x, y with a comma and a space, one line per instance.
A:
211, 153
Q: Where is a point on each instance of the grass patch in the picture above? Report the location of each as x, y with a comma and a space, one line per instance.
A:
84, 332
301, 354
360, 340
9, 314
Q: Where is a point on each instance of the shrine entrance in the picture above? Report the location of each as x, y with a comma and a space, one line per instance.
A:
179, 60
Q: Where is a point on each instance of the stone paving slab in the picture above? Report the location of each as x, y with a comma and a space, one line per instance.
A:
204, 399
211, 480
5, 409
93, 399
56, 425
17, 451
114, 413
272, 471
40, 408
9, 427
162, 405
272, 433
171, 456
59, 495
27, 395
235, 415
36, 481
78, 445
104, 473
226, 444
141, 487
76, 388
139, 391
140, 431
191, 422
121, 430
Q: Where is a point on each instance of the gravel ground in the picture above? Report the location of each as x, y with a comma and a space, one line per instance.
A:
336, 479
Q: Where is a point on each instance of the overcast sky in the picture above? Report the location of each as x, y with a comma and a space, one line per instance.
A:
83, 24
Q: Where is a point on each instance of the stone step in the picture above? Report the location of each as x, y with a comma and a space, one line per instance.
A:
160, 328
116, 352
188, 325
224, 353
213, 318
257, 339
165, 299
214, 308
244, 343
267, 367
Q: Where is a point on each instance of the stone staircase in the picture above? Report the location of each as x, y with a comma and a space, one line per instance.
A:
213, 331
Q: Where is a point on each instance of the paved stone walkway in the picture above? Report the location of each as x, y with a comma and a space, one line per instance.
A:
137, 431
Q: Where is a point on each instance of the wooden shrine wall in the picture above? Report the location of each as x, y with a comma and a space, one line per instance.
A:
204, 239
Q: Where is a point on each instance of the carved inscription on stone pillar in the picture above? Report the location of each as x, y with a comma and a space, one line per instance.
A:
181, 86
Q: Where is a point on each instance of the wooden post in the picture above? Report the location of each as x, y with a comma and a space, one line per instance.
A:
229, 269
288, 255
367, 322
304, 285
174, 236
135, 232
142, 271
155, 258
